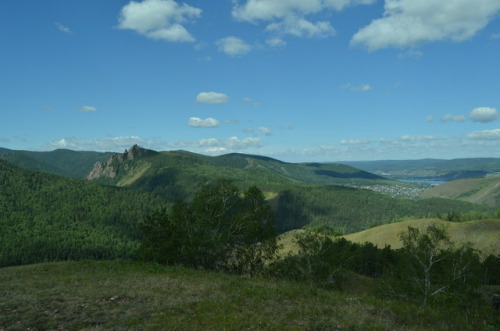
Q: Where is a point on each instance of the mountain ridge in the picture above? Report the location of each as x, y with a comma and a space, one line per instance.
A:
118, 165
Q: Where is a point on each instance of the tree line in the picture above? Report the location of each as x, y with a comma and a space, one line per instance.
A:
228, 230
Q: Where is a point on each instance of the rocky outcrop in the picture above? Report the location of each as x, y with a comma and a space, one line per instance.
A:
110, 168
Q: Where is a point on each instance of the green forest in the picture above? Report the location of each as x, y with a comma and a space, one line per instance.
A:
227, 214
47, 218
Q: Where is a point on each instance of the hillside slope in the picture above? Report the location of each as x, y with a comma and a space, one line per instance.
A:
45, 217
123, 295
477, 190
138, 163
484, 235
60, 162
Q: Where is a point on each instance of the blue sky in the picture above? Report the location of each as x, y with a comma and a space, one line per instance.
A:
315, 80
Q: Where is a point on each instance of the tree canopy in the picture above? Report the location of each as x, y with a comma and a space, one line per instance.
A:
220, 229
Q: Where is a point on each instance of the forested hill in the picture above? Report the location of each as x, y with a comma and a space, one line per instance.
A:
61, 162
140, 167
45, 217
292, 189
477, 190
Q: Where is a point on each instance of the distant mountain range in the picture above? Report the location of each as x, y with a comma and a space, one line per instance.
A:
96, 212
430, 169
61, 162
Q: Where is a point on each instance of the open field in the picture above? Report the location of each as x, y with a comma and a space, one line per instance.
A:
484, 235
128, 295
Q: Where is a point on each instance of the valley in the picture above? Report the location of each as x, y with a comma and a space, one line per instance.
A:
93, 207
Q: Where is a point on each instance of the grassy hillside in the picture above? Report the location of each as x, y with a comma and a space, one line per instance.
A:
126, 295
477, 190
484, 235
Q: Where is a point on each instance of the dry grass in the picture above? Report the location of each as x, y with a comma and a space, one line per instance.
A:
484, 234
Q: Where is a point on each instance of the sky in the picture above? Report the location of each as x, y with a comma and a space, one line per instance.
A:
296, 80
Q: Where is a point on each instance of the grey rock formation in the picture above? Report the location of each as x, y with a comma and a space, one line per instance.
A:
109, 169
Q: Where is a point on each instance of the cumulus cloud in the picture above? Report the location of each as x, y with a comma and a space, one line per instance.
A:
485, 135
159, 19
430, 118
88, 109
357, 88
197, 122
233, 46
288, 16
212, 97
452, 118
484, 114
407, 23
255, 10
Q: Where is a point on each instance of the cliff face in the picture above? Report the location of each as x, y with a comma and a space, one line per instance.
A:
110, 168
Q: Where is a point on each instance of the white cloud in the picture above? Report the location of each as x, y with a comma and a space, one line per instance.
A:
452, 118
276, 42
233, 46
300, 27
159, 19
230, 144
358, 88
251, 102
119, 144
485, 135
495, 36
484, 114
99, 145
197, 122
88, 109
254, 10
62, 28
212, 97
407, 23
430, 118
288, 16
418, 138
265, 130
355, 141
